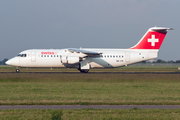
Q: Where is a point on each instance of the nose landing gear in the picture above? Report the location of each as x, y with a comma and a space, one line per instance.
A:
17, 70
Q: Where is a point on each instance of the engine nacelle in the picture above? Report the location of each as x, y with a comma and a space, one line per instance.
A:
69, 59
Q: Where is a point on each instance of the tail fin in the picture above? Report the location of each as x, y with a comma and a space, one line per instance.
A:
152, 39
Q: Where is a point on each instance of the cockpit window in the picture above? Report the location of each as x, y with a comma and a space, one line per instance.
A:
21, 55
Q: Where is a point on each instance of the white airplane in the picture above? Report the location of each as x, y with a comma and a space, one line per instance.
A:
85, 58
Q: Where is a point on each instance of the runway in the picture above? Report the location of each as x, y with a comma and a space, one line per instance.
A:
6, 107
93, 72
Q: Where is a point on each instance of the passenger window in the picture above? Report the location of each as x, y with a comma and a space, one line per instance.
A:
51, 55
44, 55
114, 56
108, 56
41, 55
54, 55
57, 55
47, 55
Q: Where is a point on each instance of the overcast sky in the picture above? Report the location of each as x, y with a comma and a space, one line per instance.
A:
40, 24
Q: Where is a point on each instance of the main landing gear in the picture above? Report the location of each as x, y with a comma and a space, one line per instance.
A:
84, 71
84, 67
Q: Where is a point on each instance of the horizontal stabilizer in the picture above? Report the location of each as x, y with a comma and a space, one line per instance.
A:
160, 29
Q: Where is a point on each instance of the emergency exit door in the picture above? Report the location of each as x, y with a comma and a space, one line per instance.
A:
127, 57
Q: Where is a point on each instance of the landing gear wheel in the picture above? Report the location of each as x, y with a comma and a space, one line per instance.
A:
17, 70
84, 71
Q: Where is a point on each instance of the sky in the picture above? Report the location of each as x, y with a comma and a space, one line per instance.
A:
58, 24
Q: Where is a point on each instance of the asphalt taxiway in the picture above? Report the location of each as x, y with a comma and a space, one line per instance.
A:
6, 107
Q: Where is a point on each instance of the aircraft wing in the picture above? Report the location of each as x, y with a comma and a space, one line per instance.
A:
88, 53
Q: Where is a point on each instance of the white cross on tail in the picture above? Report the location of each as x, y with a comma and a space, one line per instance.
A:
153, 40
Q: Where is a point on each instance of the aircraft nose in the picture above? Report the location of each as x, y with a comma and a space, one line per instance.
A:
8, 62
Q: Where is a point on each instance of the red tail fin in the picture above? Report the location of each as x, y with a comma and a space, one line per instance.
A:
152, 39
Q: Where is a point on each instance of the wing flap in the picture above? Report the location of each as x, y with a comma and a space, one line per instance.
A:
83, 51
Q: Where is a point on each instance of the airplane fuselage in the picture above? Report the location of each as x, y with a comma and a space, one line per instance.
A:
108, 59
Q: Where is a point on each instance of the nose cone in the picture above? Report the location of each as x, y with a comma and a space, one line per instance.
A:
13, 61
8, 62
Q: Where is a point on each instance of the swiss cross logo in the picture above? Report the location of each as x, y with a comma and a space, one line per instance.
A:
153, 40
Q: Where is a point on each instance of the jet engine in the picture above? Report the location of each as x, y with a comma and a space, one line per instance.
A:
69, 59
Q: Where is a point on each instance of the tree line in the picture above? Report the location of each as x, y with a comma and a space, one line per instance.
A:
160, 61
3, 62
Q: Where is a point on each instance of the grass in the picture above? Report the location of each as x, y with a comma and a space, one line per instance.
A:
91, 114
89, 89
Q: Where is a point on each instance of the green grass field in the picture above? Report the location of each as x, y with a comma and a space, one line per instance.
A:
91, 114
89, 89
121, 114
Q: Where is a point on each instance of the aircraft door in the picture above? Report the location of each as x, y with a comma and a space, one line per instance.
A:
19, 60
127, 57
33, 56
